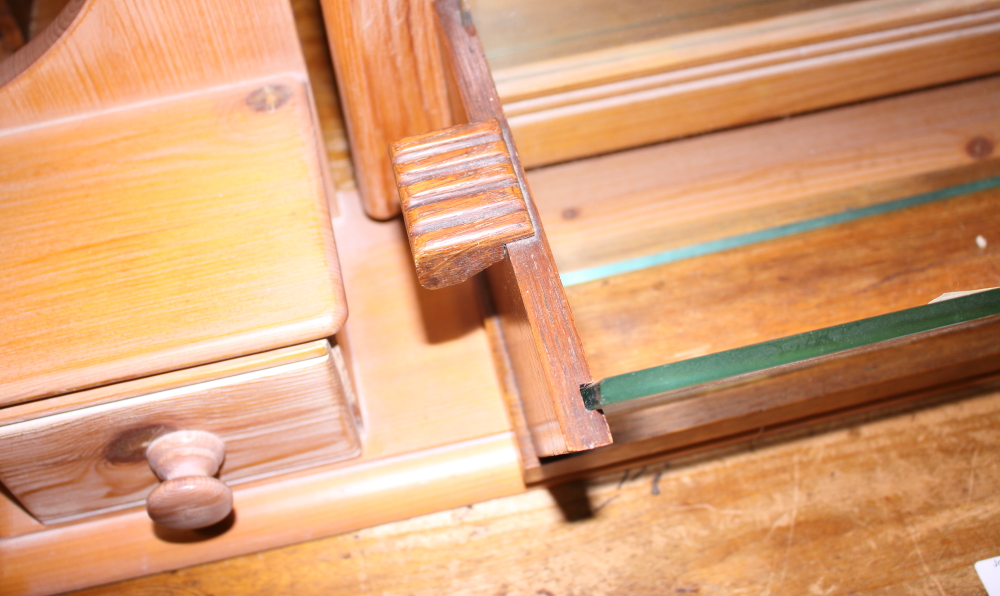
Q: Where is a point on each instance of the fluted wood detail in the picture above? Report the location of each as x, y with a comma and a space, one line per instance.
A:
462, 201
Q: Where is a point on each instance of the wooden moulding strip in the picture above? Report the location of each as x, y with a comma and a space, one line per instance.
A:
162, 382
909, 366
636, 61
269, 514
609, 117
536, 323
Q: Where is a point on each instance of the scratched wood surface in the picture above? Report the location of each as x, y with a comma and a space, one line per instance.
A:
901, 505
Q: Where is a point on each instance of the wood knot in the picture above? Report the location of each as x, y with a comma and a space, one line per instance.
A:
979, 147
129, 446
462, 200
268, 98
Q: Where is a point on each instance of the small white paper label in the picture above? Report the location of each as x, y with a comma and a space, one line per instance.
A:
989, 574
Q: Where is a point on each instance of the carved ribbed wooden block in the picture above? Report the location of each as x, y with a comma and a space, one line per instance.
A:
461, 198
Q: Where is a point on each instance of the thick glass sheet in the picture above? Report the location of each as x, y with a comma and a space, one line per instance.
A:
787, 350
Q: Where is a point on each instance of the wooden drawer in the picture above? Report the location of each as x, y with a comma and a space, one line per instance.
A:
86, 452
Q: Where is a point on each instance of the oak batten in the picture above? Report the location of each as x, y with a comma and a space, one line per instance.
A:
536, 324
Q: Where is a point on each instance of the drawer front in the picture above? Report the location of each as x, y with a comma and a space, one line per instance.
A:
93, 458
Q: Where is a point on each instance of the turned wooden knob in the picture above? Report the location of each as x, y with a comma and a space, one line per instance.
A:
189, 496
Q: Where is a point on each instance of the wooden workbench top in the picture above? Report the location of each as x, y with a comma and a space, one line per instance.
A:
901, 505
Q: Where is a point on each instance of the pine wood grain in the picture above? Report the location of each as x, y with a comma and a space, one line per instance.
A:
594, 102
397, 326
784, 286
894, 506
766, 85
391, 83
461, 200
432, 341
326, 501
163, 382
165, 279
418, 455
455, 448
537, 325
70, 79
200, 234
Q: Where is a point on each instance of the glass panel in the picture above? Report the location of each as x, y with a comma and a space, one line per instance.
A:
771, 284
787, 350
743, 306
589, 274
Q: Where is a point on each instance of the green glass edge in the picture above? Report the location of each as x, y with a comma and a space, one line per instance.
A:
786, 350
581, 276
